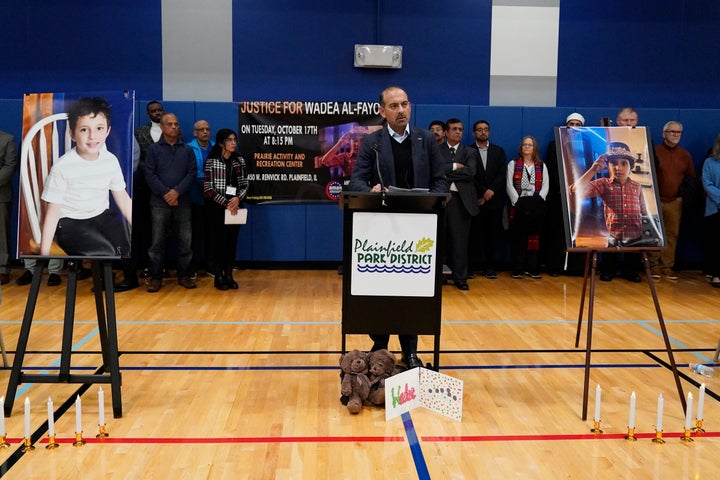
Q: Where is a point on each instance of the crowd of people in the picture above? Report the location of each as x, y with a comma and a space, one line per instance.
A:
185, 190
523, 196
192, 192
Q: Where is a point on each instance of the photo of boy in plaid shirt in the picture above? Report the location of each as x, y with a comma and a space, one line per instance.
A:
622, 197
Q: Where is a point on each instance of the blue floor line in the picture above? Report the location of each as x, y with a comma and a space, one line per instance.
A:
658, 332
415, 449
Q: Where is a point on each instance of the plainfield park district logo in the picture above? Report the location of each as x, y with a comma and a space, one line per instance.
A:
393, 254
408, 256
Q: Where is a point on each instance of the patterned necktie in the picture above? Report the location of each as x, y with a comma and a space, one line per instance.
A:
452, 153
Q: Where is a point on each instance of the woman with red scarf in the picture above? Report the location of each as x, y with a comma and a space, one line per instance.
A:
527, 186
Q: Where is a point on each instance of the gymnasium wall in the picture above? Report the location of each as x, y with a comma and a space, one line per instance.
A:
656, 56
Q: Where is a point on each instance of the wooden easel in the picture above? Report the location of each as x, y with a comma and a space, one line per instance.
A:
590, 271
107, 329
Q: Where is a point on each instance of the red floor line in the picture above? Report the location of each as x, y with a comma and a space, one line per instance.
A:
366, 439
577, 436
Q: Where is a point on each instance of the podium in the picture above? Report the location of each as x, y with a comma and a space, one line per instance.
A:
392, 264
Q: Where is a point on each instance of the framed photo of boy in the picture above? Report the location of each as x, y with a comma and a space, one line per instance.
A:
76, 167
609, 188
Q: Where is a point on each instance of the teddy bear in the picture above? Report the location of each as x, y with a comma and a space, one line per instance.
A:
381, 366
355, 384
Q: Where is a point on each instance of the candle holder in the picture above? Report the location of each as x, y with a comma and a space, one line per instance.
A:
686, 436
658, 437
79, 442
27, 445
630, 437
698, 428
52, 444
3, 442
596, 427
102, 432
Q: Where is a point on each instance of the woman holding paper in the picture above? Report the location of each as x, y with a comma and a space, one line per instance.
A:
225, 186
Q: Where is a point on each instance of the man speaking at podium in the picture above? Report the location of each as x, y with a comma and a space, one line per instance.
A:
404, 157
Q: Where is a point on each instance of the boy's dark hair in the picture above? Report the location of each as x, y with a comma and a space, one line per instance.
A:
88, 106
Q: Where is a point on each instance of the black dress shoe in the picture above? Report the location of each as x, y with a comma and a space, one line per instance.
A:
412, 361
632, 277
461, 284
231, 283
220, 283
84, 273
53, 280
127, 284
606, 277
25, 278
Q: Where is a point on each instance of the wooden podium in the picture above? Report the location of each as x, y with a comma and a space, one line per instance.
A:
381, 296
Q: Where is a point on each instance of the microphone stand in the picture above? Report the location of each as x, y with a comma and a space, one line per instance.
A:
383, 191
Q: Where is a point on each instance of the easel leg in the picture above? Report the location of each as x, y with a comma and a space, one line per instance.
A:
98, 286
112, 355
588, 346
588, 257
68, 323
14, 380
666, 338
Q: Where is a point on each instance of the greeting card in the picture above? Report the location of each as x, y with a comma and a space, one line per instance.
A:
421, 387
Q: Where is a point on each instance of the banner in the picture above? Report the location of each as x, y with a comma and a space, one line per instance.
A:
302, 151
75, 182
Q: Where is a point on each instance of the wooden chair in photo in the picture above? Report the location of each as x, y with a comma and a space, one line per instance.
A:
39, 149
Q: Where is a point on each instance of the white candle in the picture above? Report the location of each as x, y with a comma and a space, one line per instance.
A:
688, 411
2, 417
701, 402
101, 407
631, 419
27, 417
658, 422
598, 393
78, 415
51, 418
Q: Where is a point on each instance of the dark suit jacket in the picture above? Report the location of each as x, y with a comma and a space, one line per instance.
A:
144, 139
426, 158
492, 176
8, 162
463, 177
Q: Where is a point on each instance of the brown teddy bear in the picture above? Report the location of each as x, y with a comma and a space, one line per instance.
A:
382, 366
355, 384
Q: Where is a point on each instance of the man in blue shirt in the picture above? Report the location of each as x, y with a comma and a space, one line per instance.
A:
201, 145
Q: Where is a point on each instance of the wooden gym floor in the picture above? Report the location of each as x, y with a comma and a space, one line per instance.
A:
244, 384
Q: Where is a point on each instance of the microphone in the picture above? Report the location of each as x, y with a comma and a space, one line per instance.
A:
376, 149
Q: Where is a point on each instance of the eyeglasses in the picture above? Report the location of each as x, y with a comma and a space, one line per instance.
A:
528, 145
674, 132
482, 129
231, 140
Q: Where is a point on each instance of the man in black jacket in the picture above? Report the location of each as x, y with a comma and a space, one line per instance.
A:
460, 165
491, 198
